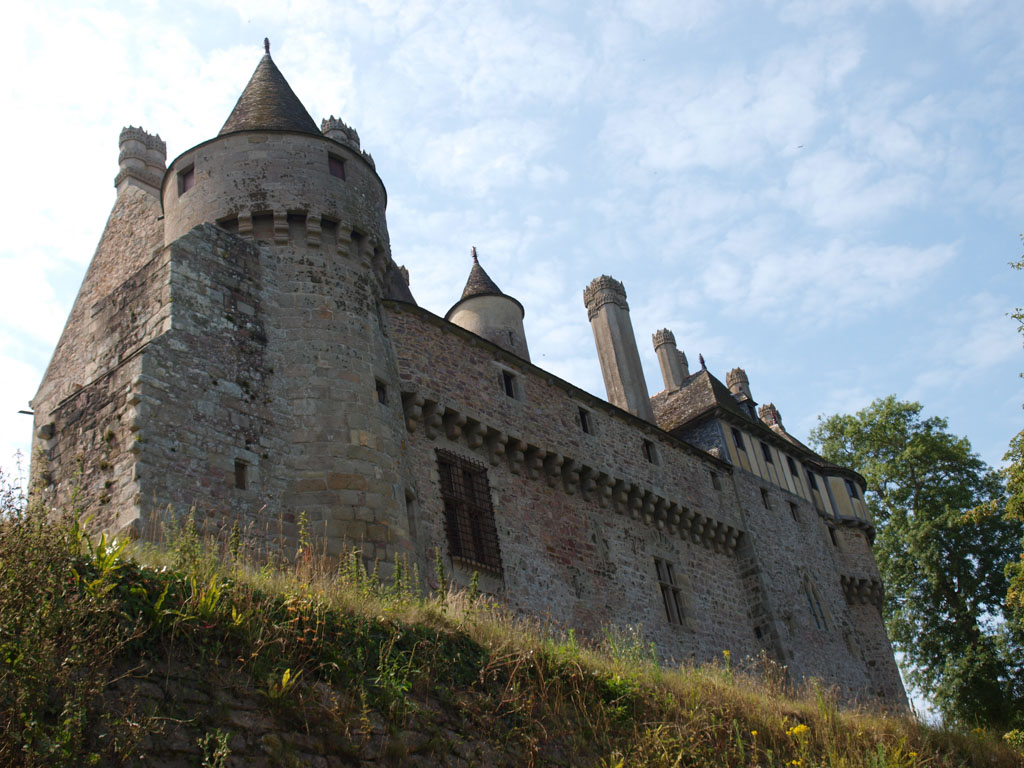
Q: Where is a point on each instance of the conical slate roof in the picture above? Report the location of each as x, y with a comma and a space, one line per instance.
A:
479, 282
269, 103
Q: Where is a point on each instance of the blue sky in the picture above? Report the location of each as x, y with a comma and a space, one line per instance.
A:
825, 193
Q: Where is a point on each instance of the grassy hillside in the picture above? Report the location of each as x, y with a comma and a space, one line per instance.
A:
202, 654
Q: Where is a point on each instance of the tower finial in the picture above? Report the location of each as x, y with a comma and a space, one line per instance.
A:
474, 255
266, 45
703, 366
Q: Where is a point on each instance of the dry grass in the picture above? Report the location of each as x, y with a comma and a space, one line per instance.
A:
531, 693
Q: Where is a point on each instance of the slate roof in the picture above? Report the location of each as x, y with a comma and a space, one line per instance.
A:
479, 282
269, 103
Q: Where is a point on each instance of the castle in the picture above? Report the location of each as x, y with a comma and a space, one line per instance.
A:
244, 344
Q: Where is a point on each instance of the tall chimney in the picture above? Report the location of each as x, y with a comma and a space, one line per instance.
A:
608, 312
674, 368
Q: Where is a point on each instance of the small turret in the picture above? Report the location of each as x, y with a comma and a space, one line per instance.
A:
487, 312
605, 299
335, 128
142, 161
739, 384
674, 367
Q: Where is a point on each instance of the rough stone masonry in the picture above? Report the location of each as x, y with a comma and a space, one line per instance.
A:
244, 345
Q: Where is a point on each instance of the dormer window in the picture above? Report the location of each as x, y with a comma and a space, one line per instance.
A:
336, 166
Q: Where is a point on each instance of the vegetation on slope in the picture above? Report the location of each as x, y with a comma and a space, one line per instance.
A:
368, 673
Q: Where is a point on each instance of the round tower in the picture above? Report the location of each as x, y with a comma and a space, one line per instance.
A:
322, 422
487, 312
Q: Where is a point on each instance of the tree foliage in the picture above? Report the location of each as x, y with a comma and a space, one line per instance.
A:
1013, 474
943, 543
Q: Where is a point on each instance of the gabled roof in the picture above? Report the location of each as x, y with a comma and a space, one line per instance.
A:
269, 103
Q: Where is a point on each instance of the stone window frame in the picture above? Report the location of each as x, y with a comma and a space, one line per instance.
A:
675, 594
510, 383
241, 475
794, 512
336, 166
586, 419
766, 498
649, 451
186, 178
814, 605
716, 480
382, 391
468, 513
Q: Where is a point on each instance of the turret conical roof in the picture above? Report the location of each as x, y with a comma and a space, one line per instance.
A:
269, 103
479, 282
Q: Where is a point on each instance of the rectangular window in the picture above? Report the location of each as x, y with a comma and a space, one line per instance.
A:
793, 512
382, 392
811, 481
767, 453
670, 591
716, 481
336, 166
469, 517
241, 470
792, 467
585, 421
186, 179
508, 381
737, 437
832, 535
764, 499
649, 451
852, 489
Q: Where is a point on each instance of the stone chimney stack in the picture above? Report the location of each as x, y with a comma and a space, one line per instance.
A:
738, 384
770, 415
605, 299
142, 161
674, 368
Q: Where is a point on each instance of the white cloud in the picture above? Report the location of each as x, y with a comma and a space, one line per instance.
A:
663, 16
834, 191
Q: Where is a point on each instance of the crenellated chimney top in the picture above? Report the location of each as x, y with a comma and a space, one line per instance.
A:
142, 161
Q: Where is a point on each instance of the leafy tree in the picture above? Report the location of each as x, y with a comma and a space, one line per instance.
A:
1013, 474
943, 544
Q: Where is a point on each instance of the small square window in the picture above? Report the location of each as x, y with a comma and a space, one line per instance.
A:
382, 392
336, 166
716, 481
585, 421
241, 470
737, 437
186, 179
508, 381
767, 453
765, 499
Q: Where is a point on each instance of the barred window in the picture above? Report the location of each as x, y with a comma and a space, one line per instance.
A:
468, 515
670, 591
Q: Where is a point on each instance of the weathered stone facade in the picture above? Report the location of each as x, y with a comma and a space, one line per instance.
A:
243, 344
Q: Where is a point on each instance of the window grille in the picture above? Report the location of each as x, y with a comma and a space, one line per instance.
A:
469, 517
670, 592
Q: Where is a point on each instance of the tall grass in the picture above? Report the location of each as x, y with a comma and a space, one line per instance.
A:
331, 647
